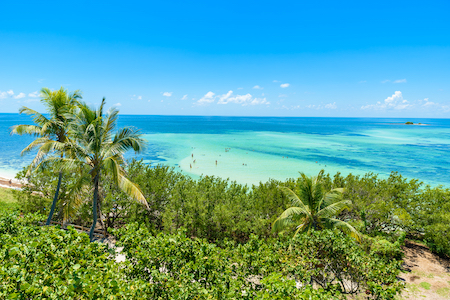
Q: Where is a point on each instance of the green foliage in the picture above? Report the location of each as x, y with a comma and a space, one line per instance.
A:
7, 200
386, 249
36, 195
329, 258
211, 208
392, 204
195, 269
49, 263
312, 207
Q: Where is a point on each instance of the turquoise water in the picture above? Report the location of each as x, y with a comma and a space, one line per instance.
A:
253, 149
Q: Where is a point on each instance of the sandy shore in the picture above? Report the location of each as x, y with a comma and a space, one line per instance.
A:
10, 183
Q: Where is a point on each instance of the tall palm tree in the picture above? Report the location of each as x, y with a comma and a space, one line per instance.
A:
97, 145
50, 132
312, 208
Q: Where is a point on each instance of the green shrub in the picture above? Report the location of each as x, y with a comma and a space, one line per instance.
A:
330, 258
50, 263
386, 249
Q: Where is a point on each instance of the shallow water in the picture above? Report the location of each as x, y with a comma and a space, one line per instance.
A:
249, 149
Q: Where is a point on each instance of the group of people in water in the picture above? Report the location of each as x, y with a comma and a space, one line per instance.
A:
193, 162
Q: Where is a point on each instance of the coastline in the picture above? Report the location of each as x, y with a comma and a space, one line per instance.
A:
10, 183
8, 180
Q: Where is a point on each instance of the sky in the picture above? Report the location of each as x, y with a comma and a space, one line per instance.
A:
231, 58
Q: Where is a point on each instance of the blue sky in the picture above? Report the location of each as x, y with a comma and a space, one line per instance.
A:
242, 58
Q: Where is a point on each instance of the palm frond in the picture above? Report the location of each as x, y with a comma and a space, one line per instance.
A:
305, 188
132, 190
288, 217
304, 227
74, 199
295, 200
34, 144
333, 196
334, 209
37, 117
346, 228
26, 129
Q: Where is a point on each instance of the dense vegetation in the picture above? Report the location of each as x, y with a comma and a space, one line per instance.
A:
49, 263
215, 209
200, 239
212, 237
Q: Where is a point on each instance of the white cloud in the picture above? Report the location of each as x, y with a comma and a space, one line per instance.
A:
33, 94
292, 107
257, 101
363, 81
184, 97
284, 85
117, 104
275, 81
395, 101
385, 81
331, 105
7, 94
321, 106
246, 99
167, 94
257, 87
425, 104
240, 88
224, 98
208, 98
282, 96
400, 81
20, 95
139, 97
229, 97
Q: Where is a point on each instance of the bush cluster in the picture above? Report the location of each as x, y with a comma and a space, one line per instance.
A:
211, 239
214, 209
51, 263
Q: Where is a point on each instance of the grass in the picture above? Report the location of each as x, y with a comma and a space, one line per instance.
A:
423, 274
7, 200
425, 285
444, 292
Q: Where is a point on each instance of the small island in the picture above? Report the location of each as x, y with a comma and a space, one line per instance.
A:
411, 123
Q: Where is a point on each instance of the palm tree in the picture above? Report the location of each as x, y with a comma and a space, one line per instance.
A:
94, 145
50, 132
312, 208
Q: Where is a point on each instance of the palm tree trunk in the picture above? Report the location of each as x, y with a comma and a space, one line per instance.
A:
94, 207
55, 199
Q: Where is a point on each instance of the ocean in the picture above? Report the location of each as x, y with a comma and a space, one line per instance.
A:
253, 149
